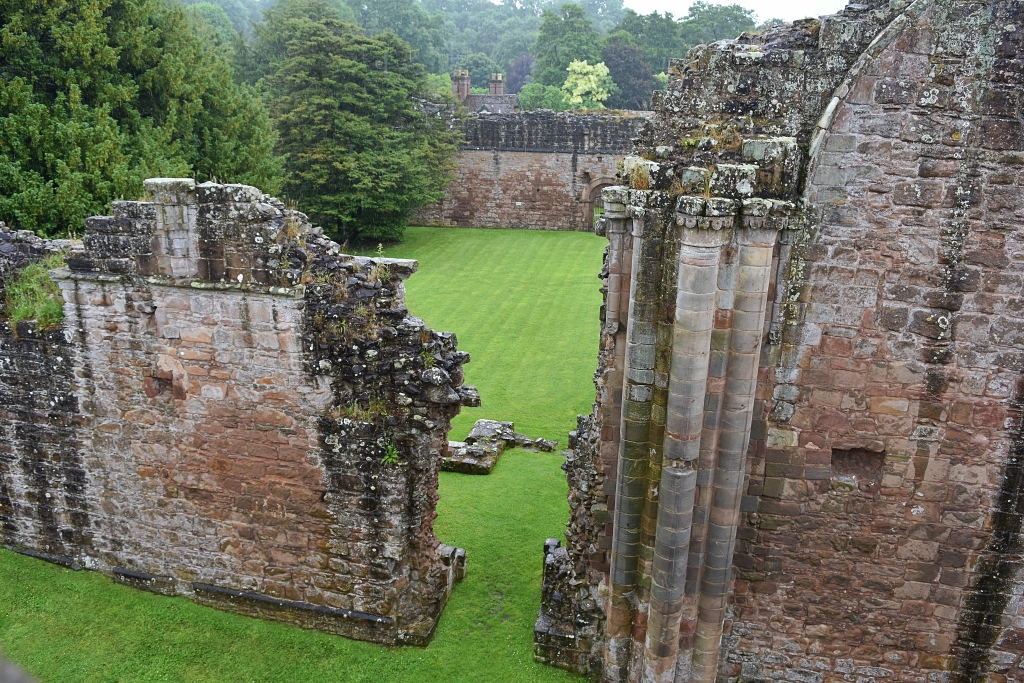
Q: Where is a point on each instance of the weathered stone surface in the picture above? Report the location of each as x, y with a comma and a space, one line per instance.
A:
865, 522
534, 170
493, 431
465, 458
234, 411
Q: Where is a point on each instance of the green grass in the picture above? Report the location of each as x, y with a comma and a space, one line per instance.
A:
525, 305
32, 295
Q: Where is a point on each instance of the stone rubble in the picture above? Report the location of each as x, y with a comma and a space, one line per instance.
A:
485, 443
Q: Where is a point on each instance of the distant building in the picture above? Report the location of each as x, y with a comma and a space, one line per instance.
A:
496, 102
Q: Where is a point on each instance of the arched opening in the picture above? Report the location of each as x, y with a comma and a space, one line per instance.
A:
593, 202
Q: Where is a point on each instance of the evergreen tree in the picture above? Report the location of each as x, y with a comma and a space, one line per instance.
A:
564, 37
96, 95
519, 75
212, 17
242, 13
409, 20
353, 112
631, 74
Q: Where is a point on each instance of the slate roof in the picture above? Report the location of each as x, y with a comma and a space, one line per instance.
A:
494, 104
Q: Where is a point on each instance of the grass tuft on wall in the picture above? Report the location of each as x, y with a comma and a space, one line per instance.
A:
31, 295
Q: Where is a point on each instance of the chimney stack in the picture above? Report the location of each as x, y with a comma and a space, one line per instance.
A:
460, 84
497, 85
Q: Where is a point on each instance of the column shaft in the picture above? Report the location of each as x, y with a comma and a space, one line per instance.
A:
691, 344
754, 259
631, 479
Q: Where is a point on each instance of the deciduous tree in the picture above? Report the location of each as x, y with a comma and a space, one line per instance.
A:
519, 74
631, 74
588, 85
564, 36
480, 68
538, 96
707, 22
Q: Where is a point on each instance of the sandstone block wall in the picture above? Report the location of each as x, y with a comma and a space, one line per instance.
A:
234, 411
533, 170
848, 506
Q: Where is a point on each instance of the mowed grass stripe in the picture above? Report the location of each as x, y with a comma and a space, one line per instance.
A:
525, 305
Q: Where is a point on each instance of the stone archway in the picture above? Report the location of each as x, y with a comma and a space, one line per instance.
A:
592, 200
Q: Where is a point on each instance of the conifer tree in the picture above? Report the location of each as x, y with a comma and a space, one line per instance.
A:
97, 95
365, 141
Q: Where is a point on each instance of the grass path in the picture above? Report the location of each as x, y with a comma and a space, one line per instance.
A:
524, 304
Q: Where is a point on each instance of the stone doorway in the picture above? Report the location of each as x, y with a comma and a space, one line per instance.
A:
593, 203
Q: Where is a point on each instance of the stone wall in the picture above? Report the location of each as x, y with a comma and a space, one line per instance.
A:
534, 170
234, 411
807, 428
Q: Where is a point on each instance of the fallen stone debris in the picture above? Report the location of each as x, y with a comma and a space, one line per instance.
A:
485, 443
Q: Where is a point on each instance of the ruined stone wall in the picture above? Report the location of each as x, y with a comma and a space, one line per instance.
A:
856, 515
234, 411
533, 170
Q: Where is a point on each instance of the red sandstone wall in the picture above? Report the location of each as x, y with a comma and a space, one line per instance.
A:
516, 189
251, 420
214, 417
908, 349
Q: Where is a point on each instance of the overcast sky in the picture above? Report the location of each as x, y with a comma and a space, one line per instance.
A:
789, 10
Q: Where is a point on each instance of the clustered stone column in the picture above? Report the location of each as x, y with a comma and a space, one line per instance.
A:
681, 463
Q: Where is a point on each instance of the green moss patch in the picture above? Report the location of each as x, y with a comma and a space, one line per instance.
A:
31, 295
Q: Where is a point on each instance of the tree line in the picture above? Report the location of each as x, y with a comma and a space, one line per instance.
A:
341, 105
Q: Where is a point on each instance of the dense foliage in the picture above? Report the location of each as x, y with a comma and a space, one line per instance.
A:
632, 76
409, 19
96, 95
537, 96
365, 141
241, 13
533, 41
661, 37
564, 37
588, 85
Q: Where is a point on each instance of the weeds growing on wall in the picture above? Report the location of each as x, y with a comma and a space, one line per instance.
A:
32, 295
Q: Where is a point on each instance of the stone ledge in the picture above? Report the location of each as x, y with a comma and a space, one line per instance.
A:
164, 585
289, 604
68, 562
297, 292
343, 622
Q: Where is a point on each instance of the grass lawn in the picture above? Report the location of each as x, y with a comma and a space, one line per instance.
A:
524, 304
